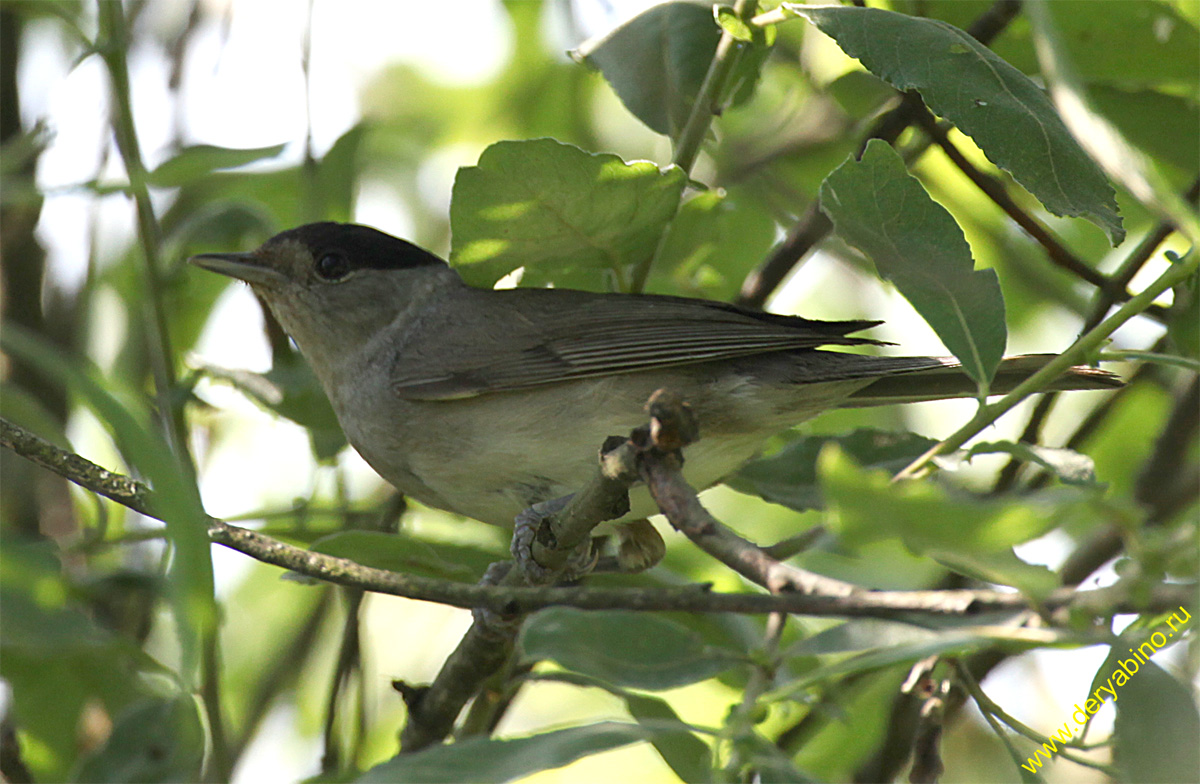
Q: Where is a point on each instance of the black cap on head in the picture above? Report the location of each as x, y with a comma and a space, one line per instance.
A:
362, 246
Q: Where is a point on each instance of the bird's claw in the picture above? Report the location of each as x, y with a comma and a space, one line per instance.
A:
528, 523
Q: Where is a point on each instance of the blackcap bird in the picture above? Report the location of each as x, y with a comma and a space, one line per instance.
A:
485, 402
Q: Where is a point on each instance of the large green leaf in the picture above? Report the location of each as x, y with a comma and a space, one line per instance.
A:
656, 62
565, 215
789, 476
1007, 115
630, 649
879, 208
492, 760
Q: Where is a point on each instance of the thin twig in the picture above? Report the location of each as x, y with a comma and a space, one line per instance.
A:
927, 765
113, 46
347, 663
762, 677
1133, 263
989, 707
707, 103
483, 651
488, 644
1056, 251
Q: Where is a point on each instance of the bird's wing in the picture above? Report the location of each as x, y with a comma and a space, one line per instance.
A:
530, 337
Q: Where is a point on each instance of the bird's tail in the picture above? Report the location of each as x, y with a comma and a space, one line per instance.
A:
946, 379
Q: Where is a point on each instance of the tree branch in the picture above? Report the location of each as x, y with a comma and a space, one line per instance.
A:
509, 601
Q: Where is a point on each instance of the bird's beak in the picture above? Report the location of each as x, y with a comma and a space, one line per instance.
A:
243, 266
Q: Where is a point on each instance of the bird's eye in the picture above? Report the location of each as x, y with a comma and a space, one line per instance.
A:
332, 266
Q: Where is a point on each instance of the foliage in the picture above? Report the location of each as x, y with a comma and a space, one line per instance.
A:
127, 660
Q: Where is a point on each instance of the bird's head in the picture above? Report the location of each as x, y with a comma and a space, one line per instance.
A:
335, 286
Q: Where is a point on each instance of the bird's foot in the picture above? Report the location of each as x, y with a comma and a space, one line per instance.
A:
526, 529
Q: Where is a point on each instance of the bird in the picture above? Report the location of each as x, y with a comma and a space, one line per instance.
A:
486, 402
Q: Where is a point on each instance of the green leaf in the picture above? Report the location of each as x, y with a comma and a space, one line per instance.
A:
1137, 173
951, 643
789, 476
686, 754
191, 294
624, 648
973, 536
871, 634
712, 244
291, 390
657, 61
27, 409
154, 740
879, 208
401, 552
1157, 723
492, 761
54, 657
1157, 46
1007, 115
193, 162
1163, 126
733, 24
1071, 467
672, 738
337, 175
862, 635
1184, 324
565, 215
304, 402
1002, 567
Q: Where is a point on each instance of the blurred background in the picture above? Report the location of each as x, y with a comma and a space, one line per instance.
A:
253, 116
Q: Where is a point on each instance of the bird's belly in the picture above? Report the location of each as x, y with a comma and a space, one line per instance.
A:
495, 487
491, 456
